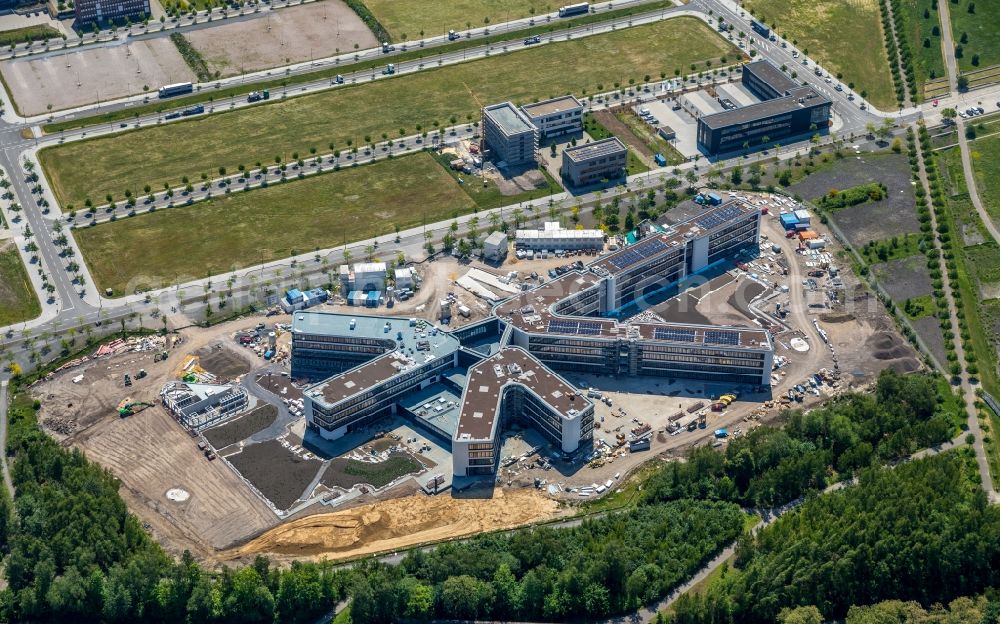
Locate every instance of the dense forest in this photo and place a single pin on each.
(922, 531)
(772, 466)
(73, 552)
(612, 564)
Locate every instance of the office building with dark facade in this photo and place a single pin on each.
(504, 368)
(786, 109)
(105, 11)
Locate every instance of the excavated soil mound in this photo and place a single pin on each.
(399, 523)
(905, 365)
(836, 318)
(886, 346)
(890, 348)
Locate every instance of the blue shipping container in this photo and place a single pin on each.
(788, 220)
(714, 199)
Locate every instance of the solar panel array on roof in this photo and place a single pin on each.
(674, 334)
(719, 217)
(565, 326)
(716, 336)
(638, 252)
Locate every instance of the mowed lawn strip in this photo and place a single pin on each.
(845, 37)
(244, 228)
(982, 30)
(986, 163)
(166, 153)
(38, 32)
(929, 64)
(17, 297)
(435, 17)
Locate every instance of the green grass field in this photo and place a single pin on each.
(985, 262)
(901, 246)
(277, 85)
(245, 228)
(982, 29)
(972, 305)
(487, 194)
(262, 132)
(926, 46)
(17, 297)
(39, 32)
(434, 17)
(845, 37)
(985, 154)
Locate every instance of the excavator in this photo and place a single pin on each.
(128, 407)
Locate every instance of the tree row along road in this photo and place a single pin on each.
(203, 142)
(969, 393)
(358, 66)
(89, 309)
(951, 64)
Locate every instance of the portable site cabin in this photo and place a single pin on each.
(788, 220)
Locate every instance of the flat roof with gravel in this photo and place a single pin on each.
(510, 120)
(555, 105)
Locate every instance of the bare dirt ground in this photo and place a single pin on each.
(871, 220)
(399, 523)
(149, 451)
(224, 360)
(438, 280)
(290, 35)
(151, 454)
(623, 132)
(77, 77)
(905, 278)
(929, 329)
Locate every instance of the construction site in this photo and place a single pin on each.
(206, 430)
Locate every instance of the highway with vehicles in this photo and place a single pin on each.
(348, 60)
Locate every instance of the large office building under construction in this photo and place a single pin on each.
(505, 368)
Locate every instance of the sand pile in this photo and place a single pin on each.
(399, 523)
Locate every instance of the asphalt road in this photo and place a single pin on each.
(75, 305)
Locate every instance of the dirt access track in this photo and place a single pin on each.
(291, 35)
(398, 524)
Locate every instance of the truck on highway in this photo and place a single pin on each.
(388, 47)
(194, 110)
(574, 9)
(389, 70)
(531, 40)
(179, 88)
(452, 35)
(760, 29)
